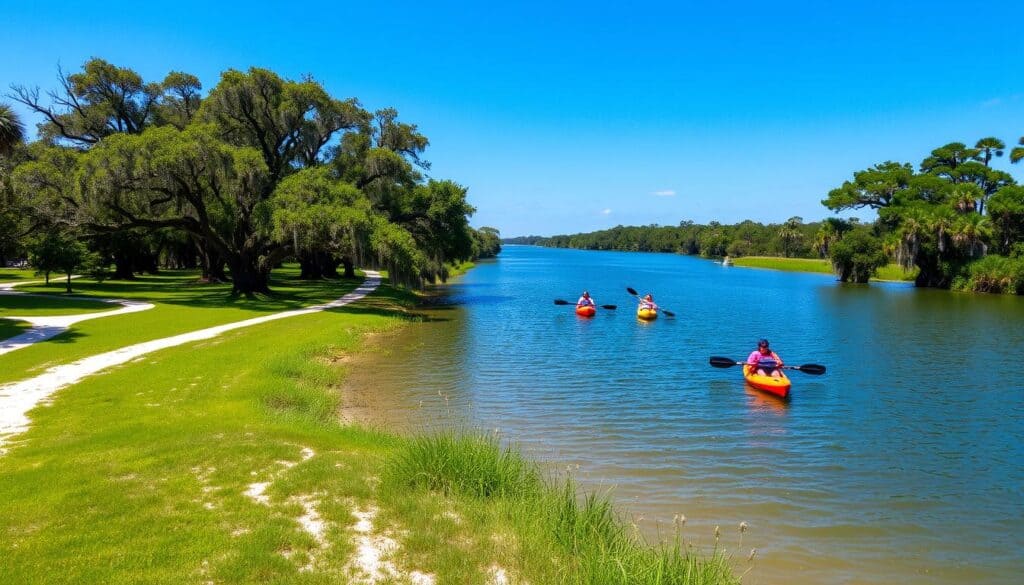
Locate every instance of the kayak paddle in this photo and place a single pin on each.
(663, 310)
(608, 307)
(724, 362)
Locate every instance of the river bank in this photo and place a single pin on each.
(223, 461)
(888, 273)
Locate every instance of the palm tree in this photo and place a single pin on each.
(970, 234)
(790, 234)
(1017, 154)
(12, 131)
(831, 231)
(965, 197)
(989, 147)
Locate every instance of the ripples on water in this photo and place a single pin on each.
(904, 462)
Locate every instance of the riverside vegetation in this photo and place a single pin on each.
(242, 473)
(953, 222)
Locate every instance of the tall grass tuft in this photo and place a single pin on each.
(472, 464)
(571, 539)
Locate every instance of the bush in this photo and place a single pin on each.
(994, 274)
(857, 256)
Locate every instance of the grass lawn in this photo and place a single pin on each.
(888, 272)
(10, 328)
(19, 274)
(182, 305)
(35, 306)
(140, 474)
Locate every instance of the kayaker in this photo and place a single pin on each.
(648, 303)
(765, 360)
(585, 300)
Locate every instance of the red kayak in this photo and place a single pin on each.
(586, 310)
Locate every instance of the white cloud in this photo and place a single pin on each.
(606, 211)
(665, 193)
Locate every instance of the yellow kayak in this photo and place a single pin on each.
(777, 386)
(647, 314)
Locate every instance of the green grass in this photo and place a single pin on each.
(10, 328)
(139, 474)
(182, 305)
(19, 274)
(787, 264)
(34, 306)
(545, 531)
(889, 272)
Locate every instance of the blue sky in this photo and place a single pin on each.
(576, 116)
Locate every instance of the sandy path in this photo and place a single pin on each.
(44, 328)
(17, 398)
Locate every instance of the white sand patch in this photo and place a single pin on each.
(371, 549)
(312, 523)
(17, 398)
(497, 575)
(256, 492)
(419, 578)
(310, 520)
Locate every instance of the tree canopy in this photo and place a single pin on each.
(261, 169)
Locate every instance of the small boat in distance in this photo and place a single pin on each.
(727, 261)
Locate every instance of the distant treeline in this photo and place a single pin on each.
(794, 238)
(523, 240)
(953, 218)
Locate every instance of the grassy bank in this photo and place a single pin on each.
(182, 304)
(888, 272)
(223, 462)
(22, 274)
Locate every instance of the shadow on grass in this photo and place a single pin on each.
(183, 287)
(13, 303)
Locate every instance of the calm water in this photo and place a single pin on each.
(903, 463)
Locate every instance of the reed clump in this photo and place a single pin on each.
(566, 536)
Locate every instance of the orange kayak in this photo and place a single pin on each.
(777, 386)
(586, 311)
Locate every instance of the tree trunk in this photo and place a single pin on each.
(122, 267)
(350, 269)
(317, 265)
(247, 279)
(69, 282)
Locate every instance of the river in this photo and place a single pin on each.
(903, 463)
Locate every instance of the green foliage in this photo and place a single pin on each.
(711, 240)
(994, 274)
(12, 130)
(857, 256)
(261, 169)
(60, 252)
(486, 243)
(468, 464)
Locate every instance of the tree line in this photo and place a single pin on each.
(955, 219)
(141, 175)
(793, 238)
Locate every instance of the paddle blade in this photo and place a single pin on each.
(632, 292)
(610, 307)
(813, 369)
(561, 302)
(723, 362)
(668, 313)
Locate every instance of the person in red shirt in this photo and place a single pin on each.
(765, 360)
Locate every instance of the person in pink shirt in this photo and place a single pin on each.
(648, 303)
(765, 360)
(585, 300)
